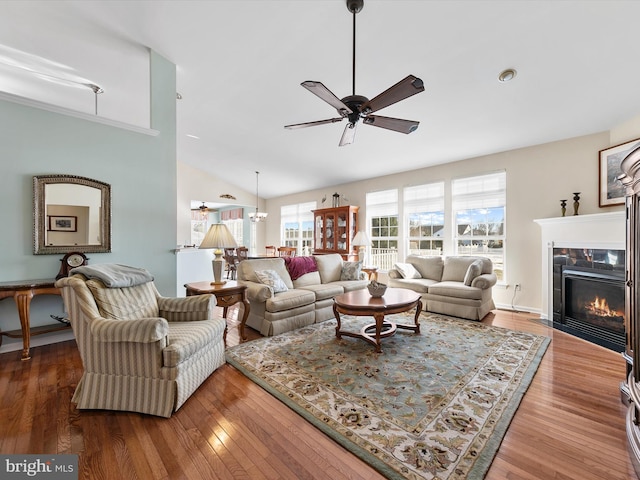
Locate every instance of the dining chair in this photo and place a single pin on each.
(231, 261)
(287, 251)
(271, 250)
(242, 253)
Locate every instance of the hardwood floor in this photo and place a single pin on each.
(570, 424)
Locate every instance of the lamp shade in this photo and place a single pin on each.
(218, 237)
(361, 239)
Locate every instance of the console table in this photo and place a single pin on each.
(22, 293)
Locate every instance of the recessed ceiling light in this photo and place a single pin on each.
(193, 136)
(507, 75)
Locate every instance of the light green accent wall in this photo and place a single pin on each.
(141, 170)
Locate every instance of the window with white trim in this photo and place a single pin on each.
(424, 218)
(234, 220)
(382, 221)
(296, 226)
(479, 209)
(198, 226)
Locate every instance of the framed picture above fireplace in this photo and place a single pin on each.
(612, 191)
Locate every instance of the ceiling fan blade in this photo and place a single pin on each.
(395, 124)
(313, 124)
(317, 88)
(348, 135)
(403, 89)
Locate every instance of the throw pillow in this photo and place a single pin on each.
(351, 271)
(407, 270)
(474, 270)
(272, 279)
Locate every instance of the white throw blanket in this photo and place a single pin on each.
(114, 275)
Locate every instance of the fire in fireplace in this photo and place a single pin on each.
(590, 299)
(598, 311)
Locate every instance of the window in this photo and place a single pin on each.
(296, 225)
(382, 219)
(234, 220)
(479, 207)
(198, 227)
(236, 227)
(424, 214)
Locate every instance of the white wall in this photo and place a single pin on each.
(537, 179)
(194, 184)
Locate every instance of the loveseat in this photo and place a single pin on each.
(284, 297)
(458, 285)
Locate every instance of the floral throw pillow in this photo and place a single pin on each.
(272, 279)
(351, 270)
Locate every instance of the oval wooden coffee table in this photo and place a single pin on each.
(360, 303)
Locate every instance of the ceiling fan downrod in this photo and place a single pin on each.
(355, 107)
(354, 6)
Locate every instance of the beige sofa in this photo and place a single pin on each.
(449, 285)
(307, 299)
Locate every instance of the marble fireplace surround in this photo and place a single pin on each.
(597, 231)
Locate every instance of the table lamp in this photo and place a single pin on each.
(218, 237)
(361, 240)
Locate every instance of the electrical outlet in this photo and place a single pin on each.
(518, 287)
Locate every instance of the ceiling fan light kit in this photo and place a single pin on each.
(354, 107)
(204, 211)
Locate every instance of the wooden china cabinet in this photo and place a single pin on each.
(630, 178)
(334, 229)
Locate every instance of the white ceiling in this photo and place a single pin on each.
(240, 64)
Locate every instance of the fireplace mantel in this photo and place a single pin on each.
(599, 230)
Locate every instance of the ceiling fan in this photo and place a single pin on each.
(204, 210)
(355, 107)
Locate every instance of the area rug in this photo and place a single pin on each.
(433, 405)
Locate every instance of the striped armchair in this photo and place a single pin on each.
(141, 352)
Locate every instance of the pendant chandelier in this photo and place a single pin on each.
(257, 216)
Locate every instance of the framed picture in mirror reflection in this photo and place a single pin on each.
(57, 223)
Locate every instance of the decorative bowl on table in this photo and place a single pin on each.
(376, 289)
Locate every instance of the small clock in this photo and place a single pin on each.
(69, 261)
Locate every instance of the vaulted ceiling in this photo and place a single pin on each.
(240, 64)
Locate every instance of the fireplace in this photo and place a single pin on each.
(606, 246)
(589, 295)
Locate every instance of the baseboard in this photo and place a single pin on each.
(518, 309)
(14, 345)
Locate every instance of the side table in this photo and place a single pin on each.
(227, 294)
(372, 272)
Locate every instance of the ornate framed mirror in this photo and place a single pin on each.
(71, 213)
